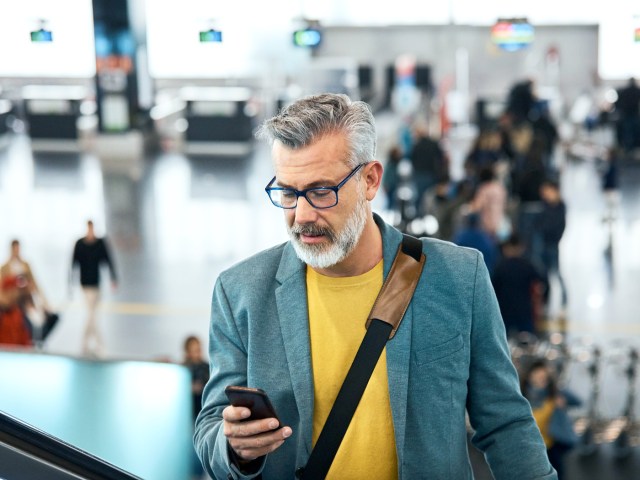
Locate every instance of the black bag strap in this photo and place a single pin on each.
(384, 319)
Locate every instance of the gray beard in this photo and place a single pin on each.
(341, 244)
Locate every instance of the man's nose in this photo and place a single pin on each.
(305, 213)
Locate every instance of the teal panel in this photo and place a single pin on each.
(135, 415)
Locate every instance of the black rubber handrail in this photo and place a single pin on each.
(41, 445)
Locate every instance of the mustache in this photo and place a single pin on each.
(312, 229)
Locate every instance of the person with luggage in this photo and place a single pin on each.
(39, 317)
(289, 321)
(14, 330)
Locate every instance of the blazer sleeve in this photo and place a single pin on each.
(501, 417)
(228, 366)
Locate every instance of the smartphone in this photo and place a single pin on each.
(254, 399)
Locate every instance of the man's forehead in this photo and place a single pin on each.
(318, 164)
(331, 149)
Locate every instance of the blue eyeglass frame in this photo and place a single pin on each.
(303, 193)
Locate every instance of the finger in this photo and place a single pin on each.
(249, 428)
(258, 445)
(235, 414)
(253, 453)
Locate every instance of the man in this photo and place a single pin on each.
(289, 320)
(628, 109)
(429, 164)
(517, 282)
(89, 253)
(521, 100)
(551, 225)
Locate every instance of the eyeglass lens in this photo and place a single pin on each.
(317, 197)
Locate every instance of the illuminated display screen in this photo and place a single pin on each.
(309, 37)
(48, 39)
(211, 36)
(619, 45)
(41, 36)
(512, 36)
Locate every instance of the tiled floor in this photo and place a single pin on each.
(175, 222)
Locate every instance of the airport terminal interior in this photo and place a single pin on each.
(141, 118)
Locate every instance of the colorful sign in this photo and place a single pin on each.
(512, 35)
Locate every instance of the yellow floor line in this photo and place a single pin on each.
(142, 309)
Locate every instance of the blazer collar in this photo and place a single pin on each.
(291, 299)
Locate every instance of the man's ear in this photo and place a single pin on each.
(373, 176)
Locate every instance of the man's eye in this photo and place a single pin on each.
(320, 193)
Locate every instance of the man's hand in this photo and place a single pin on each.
(251, 439)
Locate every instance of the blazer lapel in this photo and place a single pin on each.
(398, 362)
(291, 298)
(398, 348)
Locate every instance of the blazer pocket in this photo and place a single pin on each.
(436, 352)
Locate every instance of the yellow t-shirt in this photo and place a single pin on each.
(338, 309)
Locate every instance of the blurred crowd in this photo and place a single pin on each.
(508, 205)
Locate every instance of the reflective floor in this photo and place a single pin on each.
(174, 222)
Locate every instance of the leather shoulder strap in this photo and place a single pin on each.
(397, 291)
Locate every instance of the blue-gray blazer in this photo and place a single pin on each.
(449, 356)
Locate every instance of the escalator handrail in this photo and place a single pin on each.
(33, 441)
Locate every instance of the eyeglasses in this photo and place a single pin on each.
(318, 197)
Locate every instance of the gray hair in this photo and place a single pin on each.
(310, 118)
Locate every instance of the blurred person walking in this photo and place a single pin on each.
(429, 164)
(515, 281)
(521, 100)
(628, 109)
(446, 205)
(527, 183)
(472, 235)
(490, 201)
(551, 224)
(89, 253)
(544, 127)
(486, 151)
(391, 177)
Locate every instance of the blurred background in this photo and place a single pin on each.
(511, 127)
